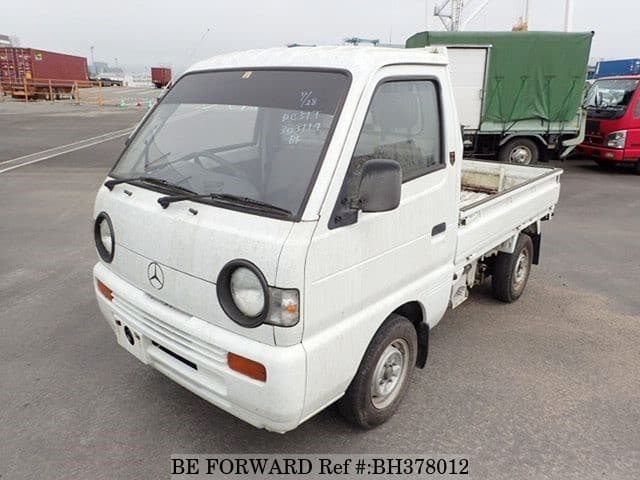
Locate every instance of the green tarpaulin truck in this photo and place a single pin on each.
(520, 95)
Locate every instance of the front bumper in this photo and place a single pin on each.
(193, 353)
(603, 153)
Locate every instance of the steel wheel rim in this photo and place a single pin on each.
(522, 270)
(389, 374)
(521, 155)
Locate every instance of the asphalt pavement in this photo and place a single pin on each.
(547, 387)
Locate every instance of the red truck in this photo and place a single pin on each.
(160, 76)
(40, 70)
(613, 122)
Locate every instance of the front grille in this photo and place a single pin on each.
(594, 140)
(593, 127)
(165, 334)
(176, 356)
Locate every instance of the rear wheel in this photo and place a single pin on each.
(384, 374)
(637, 169)
(511, 271)
(519, 151)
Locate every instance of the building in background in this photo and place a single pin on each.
(98, 67)
(102, 69)
(6, 41)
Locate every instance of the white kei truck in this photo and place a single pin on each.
(285, 227)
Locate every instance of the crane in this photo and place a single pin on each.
(450, 20)
(449, 12)
(451, 17)
(523, 22)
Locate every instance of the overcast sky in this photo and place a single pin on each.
(143, 33)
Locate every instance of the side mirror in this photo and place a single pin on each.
(380, 186)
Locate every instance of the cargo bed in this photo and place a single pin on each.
(497, 200)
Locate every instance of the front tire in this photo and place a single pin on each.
(520, 151)
(511, 271)
(384, 374)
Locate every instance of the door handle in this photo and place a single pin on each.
(438, 229)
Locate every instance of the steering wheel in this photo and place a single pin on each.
(196, 156)
(217, 158)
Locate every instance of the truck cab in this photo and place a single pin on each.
(286, 226)
(613, 125)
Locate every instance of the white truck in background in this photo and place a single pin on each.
(286, 226)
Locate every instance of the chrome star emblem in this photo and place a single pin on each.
(155, 275)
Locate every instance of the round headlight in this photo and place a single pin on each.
(243, 293)
(247, 292)
(103, 235)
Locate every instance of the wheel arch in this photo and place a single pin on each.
(531, 136)
(414, 311)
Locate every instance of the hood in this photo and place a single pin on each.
(191, 248)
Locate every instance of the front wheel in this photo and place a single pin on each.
(383, 376)
(520, 151)
(511, 271)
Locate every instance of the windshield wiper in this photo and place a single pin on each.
(224, 197)
(145, 179)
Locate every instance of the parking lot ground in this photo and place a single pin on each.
(30, 128)
(548, 387)
(117, 95)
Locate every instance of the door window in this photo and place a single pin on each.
(402, 124)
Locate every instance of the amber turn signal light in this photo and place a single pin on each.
(104, 290)
(247, 367)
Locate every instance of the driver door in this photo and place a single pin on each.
(362, 266)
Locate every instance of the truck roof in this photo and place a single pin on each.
(359, 60)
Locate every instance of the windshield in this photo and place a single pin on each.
(611, 97)
(254, 134)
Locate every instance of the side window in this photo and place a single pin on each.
(636, 113)
(402, 124)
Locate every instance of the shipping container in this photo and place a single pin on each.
(17, 63)
(39, 68)
(160, 76)
(617, 68)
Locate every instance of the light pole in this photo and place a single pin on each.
(428, 11)
(568, 16)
